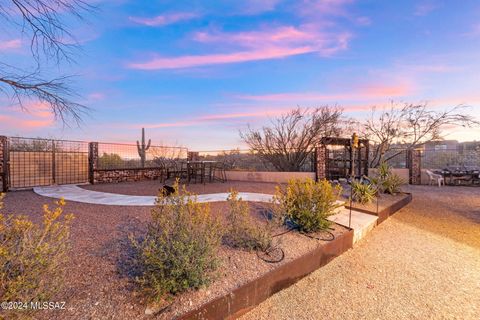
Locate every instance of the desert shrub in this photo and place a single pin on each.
(392, 184)
(242, 230)
(33, 256)
(387, 181)
(384, 171)
(307, 204)
(179, 250)
(363, 192)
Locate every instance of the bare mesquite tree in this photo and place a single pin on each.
(410, 125)
(44, 24)
(289, 140)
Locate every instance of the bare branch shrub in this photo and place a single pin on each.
(291, 138)
(410, 125)
(44, 23)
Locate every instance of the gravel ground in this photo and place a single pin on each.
(98, 285)
(422, 263)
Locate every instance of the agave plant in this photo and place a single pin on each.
(363, 192)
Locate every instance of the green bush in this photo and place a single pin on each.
(242, 230)
(33, 256)
(384, 171)
(179, 250)
(392, 184)
(363, 192)
(387, 181)
(307, 203)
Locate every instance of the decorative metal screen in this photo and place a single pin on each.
(40, 162)
(248, 160)
(451, 158)
(117, 156)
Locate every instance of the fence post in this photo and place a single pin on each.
(92, 160)
(414, 161)
(193, 155)
(54, 169)
(4, 163)
(321, 162)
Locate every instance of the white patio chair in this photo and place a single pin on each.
(435, 178)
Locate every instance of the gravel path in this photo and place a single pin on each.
(422, 263)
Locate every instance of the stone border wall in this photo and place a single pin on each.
(126, 175)
(117, 175)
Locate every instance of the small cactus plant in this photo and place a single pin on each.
(142, 148)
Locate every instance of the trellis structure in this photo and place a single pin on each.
(337, 159)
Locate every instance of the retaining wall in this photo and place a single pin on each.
(126, 175)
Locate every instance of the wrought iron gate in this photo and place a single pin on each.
(40, 162)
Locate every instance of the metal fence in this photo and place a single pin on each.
(450, 158)
(36, 162)
(395, 158)
(114, 156)
(248, 160)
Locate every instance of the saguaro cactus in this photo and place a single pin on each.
(142, 148)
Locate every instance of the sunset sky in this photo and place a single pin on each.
(195, 72)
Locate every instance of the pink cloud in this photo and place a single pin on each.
(163, 20)
(256, 7)
(282, 35)
(385, 91)
(363, 21)
(223, 118)
(363, 93)
(433, 68)
(95, 96)
(324, 7)
(474, 32)
(312, 35)
(215, 59)
(425, 8)
(266, 112)
(274, 43)
(167, 124)
(10, 44)
(34, 115)
(260, 112)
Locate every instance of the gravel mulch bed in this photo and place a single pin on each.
(98, 285)
(384, 201)
(421, 263)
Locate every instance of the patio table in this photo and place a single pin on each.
(195, 167)
(453, 176)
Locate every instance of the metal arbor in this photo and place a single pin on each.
(341, 159)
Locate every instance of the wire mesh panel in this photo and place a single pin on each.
(395, 157)
(30, 162)
(248, 160)
(116, 156)
(338, 162)
(40, 162)
(451, 158)
(71, 161)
